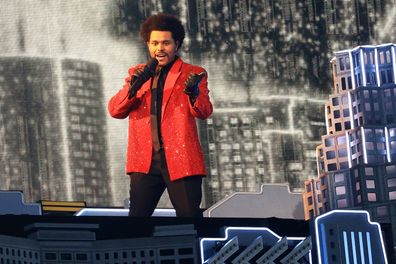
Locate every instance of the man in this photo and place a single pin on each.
(162, 104)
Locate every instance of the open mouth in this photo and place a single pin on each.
(160, 56)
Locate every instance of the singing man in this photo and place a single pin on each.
(162, 100)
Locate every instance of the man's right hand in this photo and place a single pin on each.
(138, 78)
(141, 75)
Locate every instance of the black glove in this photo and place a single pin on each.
(141, 75)
(192, 83)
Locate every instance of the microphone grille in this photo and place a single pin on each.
(152, 64)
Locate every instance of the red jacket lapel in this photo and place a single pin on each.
(173, 74)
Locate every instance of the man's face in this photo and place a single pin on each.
(162, 46)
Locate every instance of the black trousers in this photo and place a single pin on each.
(146, 190)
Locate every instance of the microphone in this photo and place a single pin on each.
(140, 76)
(151, 65)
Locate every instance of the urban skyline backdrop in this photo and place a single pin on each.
(269, 77)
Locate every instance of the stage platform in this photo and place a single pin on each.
(118, 227)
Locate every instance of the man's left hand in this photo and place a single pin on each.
(192, 83)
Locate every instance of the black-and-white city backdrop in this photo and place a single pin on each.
(269, 77)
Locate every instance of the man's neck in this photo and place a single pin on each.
(167, 66)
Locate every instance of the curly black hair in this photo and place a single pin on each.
(163, 22)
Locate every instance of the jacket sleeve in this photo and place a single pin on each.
(119, 105)
(202, 107)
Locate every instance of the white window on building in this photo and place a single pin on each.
(237, 158)
(372, 197)
(234, 120)
(392, 195)
(340, 190)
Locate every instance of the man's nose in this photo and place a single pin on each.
(160, 46)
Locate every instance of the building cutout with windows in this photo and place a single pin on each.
(344, 236)
(356, 161)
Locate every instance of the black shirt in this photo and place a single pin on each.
(157, 91)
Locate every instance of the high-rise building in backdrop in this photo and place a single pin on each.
(248, 146)
(53, 129)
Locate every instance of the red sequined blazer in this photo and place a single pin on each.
(183, 151)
